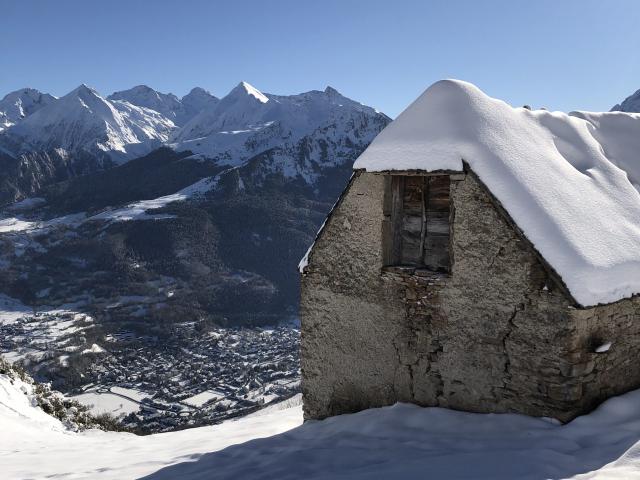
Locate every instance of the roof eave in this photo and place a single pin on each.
(416, 172)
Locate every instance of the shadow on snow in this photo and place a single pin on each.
(406, 441)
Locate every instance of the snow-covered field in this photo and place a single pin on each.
(203, 397)
(115, 401)
(402, 442)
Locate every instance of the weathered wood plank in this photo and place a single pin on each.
(386, 201)
(423, 223)
(437, 253)
(397, 195)
(412, 222)
(416, 173)
(437, 223)
(436, 249)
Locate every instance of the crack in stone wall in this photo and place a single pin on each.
(505, 347)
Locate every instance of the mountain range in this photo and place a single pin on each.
(45, 140)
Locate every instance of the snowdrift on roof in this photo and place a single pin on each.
(569, 181)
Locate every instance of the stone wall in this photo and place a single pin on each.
(497, 334)
(600, 375)
(350, 316)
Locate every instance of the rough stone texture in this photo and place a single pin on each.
(497, 334)
(350, 315)
(602, 375)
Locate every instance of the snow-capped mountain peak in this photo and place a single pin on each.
(142, 93)
(17, 105)
(198, 94)
(142, 90)
(83, 87)
(197, 100)
(630, 104)
(165, 103)
(83, 97)
(331, 91)
(242, 109)
(244, 88)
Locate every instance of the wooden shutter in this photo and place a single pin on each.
(416, 225)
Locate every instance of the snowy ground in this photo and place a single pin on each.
(28, 335)
(401, 442)
(34, 445)
(114, 400)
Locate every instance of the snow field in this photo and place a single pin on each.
(402, 441)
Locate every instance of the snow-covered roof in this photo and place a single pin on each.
(570, 181)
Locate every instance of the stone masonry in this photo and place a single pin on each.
(498, 333)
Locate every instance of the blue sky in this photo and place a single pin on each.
(562, 54)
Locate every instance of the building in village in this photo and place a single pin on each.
(482, 258)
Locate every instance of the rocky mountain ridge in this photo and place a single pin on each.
(631, 104)
(83, 132)
(178, 110)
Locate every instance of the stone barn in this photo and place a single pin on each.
(482, 258)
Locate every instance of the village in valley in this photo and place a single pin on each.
(197, 377)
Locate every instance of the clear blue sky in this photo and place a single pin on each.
(562, 54)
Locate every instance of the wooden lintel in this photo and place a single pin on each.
(420, 173)
(456, 175)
